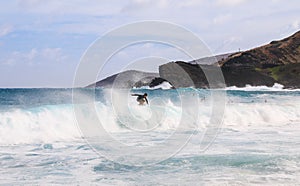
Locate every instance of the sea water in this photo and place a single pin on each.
(257, 142)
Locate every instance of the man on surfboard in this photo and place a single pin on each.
(141, 98)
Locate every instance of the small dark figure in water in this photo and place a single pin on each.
(141, 98)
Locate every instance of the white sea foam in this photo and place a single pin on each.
(57, 122)
(164, 86)
(45, 124)
(275, 87)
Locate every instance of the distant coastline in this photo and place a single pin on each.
(276, 62)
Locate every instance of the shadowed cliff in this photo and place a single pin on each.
(277, 62)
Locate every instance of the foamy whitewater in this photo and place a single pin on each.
(41, 142)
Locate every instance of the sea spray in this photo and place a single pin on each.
(49, 122)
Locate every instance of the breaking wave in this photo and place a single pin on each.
(56, 122)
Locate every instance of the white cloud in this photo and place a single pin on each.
(5, 29)
(81, 7)
(148, 6)
(135, 57)
(35, 56)
(222, 19)
(230, 44)
(190, 3)
(296, 25)
(229, 2)
(53, 54)
(276, 1)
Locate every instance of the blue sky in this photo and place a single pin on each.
(41, 41)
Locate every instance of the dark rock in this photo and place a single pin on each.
(277, 62)
(182, 74)
(157, 81)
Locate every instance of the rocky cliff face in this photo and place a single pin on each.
(277, 62)
(181, 74)
(282, 52)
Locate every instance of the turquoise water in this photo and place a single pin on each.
(42, 143)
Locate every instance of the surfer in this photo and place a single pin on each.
(141, 98)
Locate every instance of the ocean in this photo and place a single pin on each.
(103, 137)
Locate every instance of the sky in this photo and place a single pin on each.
(43, 41)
